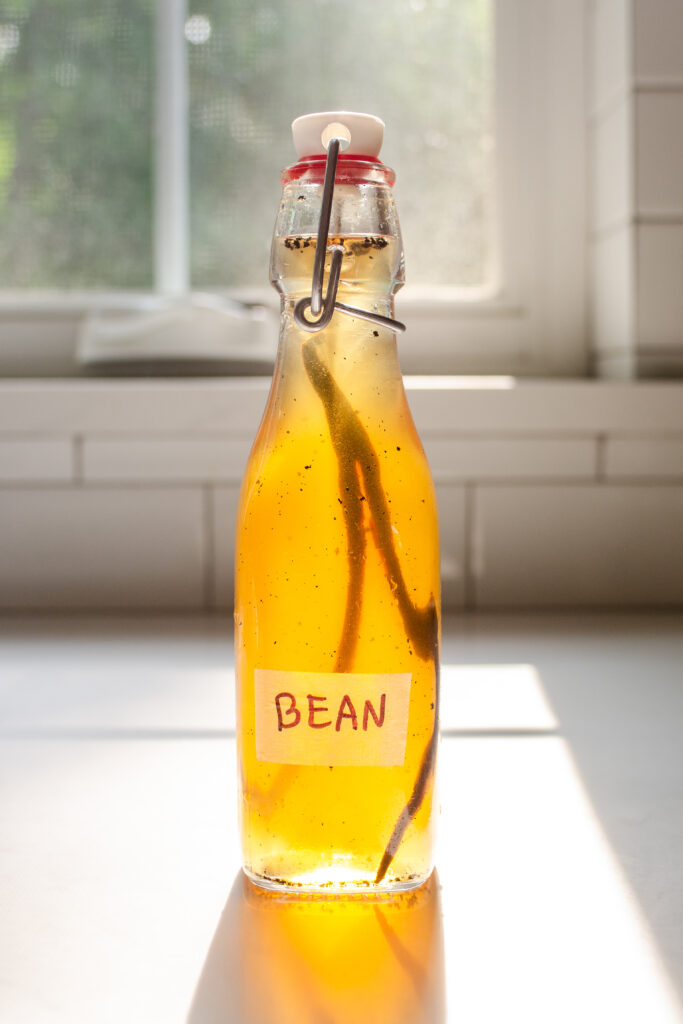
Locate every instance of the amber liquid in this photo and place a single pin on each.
(337, 570)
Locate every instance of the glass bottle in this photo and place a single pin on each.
(337, 594)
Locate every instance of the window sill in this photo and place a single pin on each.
(448, 333)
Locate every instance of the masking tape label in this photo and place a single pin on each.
(331, 718)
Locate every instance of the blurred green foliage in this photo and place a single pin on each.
(76, 111)
(77, 116)
(424, 66)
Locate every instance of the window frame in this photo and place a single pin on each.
(530, 322)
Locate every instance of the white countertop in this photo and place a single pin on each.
(560, 856)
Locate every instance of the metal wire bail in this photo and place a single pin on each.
(323, 308)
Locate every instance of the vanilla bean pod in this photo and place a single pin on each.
(355, 454)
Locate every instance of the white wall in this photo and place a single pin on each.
(635, 131)
(122, 494)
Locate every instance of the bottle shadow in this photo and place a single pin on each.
(310, 959)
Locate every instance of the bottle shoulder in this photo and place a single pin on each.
(299, 462)
(337, 408)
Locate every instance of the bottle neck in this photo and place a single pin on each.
(360, 356)
(363, 219)
(359, 361)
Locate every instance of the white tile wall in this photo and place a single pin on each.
(637, 89)
(495, 406)
(101, 548)
(658, 31)
(134, 407)
(121, 521)
(643, 458)
(36, 459)
(223, 519)
(580, 545)
(453, 512)
(660, 285)
(548, 407)
(659, 152)
(174, 458)
(504, 458)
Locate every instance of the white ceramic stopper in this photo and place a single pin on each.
(361, 134)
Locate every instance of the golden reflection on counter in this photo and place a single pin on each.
(312, 959)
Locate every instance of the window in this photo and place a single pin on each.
(76, 126)
(140, 149)
(254, 67)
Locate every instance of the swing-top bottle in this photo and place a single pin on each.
(337, 599)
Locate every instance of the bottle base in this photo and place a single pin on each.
(330, 882)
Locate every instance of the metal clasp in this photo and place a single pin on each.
(320, 307)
